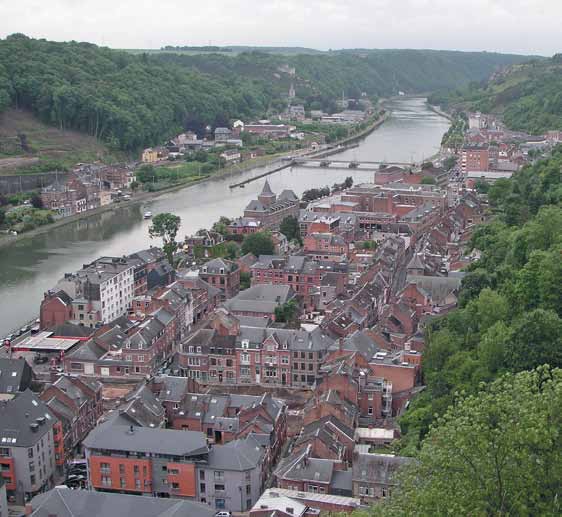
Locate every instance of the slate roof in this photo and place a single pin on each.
(215, 265)
(262, 298)
(238, 455)
(377, 468)
(301, 467)
(146, 439)
(266, 190)
(437, 287)
(173, 388)
(301, 340)
(17, 416)
(64, 502)
(15, 375)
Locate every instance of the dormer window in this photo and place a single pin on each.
(245, 344)
(221, 271)
(204, 270)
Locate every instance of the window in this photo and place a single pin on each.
(202, 488)
(30, 452)
(138, 485)
(32, 479)
(136, 469)
(173, 472)
(370, 396)
(106, 481)
(202, 475)
(219, 503)
(121, 469)
(219, 488)
(248, 490)
(370, 410)
(122, 482)
(285, 359)
(219, 475)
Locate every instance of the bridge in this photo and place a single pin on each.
(354, 164)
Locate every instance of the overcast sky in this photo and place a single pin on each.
(518, 26)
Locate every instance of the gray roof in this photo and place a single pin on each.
(377, 468)
(266, 191)
(173, 388)
(15, 375)
(146, 439)
(262, 298)
(214, 266)
(301, 340)
(436, 287)
(19, 418)
(301, 467)
(342, 480)
(288, 195)
(238, 455)
(64, 502)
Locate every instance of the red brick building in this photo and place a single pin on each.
(222, 274)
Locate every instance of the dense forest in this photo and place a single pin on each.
(135, 100)
(487, 427)
(320, 79)
(529, 96)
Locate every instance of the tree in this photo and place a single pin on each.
(493, 453)
(427, 165)
(289, 227)
(259, 243)
(134, 186)
(286, 313)
(348, 183)
(428, 180)
(2, 216)
(36, 201)
(245, 279)
(166, 226)
(146, 174)
(535, 339)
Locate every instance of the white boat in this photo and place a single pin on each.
(147, 215)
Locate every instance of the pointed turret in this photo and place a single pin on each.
(267, 197)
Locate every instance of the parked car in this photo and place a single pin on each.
(223, 513)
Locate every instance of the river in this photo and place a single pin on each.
(31, 266)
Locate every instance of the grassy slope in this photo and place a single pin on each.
(50, 148)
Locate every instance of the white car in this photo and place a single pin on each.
(223, 513)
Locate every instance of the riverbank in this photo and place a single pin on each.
(263, 161)
(439, 111)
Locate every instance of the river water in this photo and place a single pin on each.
(31, 266)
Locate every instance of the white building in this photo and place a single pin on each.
(101, 291)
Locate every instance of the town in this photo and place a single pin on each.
(185, 159)
(260, 367)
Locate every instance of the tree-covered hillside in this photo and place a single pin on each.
(132, 100)
(510, 317)
(486, 431)
(322, 78)
(529, 96)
